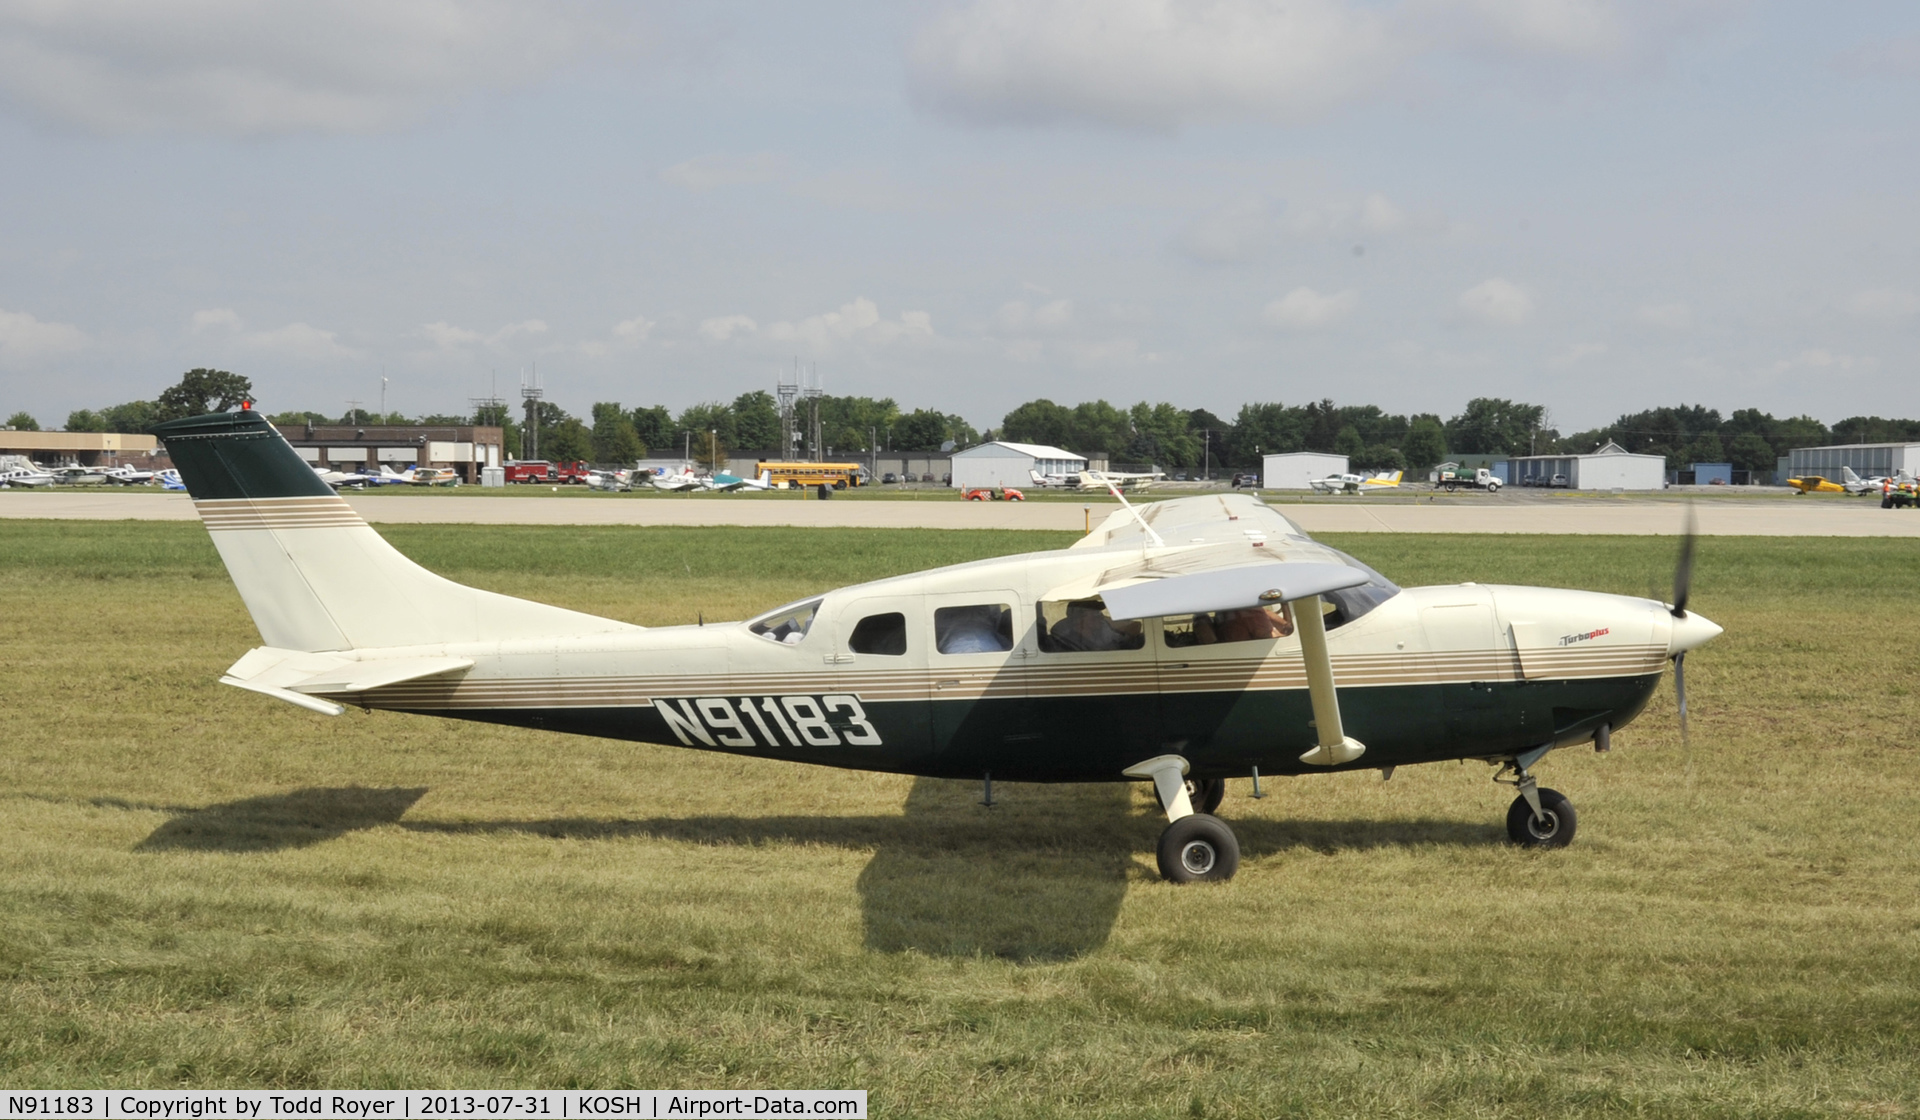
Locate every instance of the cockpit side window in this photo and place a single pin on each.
(1250, 624)
(883, 634)
(975, 628)
(787, 624)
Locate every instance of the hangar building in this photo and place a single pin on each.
(1612, 467)
(344, 447)
(1868, 460)
(1296, 470)
(1001, 463)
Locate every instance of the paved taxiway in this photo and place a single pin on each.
(1778, 517)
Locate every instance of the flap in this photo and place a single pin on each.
(1226, 589)
(358, 676)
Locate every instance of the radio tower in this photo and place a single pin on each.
(530, 393)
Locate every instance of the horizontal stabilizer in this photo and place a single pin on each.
(1225, 589)
(287, 674)
(358, 676)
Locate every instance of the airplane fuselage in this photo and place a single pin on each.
(1431, 674)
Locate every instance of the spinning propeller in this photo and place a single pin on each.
(1682, 587)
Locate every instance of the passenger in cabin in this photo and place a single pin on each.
(976, 629)
(1251, 624)
(1087, 628)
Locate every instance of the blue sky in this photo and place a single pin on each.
(1590, 205)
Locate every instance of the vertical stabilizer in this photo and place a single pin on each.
(313, 574)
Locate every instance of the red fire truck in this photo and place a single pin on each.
(540, 470)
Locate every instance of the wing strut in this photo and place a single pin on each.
(1335, 748)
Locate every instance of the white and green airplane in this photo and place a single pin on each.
(1183, 644)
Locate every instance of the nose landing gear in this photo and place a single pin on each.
(1538, 818)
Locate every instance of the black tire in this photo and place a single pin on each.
(1197, 849)
(1555, 832)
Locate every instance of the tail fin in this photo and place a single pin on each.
(314, 576)
(1851, 477)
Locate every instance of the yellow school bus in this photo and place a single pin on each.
(837, 475)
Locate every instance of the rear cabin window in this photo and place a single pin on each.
(787, 624)
(1084, 626)
(884, 634)
(977, 628)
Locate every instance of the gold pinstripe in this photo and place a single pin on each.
(229, 514)
(1019, 680)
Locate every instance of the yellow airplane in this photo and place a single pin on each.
(1382, 481)
(1814, 484)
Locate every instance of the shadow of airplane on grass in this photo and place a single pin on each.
(280, 821)
(1041, 877)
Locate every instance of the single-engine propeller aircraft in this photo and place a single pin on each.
(1183, 644)
(1814, 484)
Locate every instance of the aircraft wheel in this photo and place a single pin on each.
(1204, 794)
(1199, 848)
(1554, 832)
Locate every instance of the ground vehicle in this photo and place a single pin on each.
(1558, 482)
(986, 494)
(889, 479)
(1450, 476)
(540, 470)
(837, 475)
(1248, 481)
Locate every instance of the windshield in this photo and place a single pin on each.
(1350, 603)
(786, 624)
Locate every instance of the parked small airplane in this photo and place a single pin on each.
(434, 476)
(1384, 480)
(26, 477)
(1878, 484)
(728, 483)
(1059, 481)
(1338, 484)
(1130, 481)
(676, 483)
(1197, 641)
(169, 479)
(127, 474)
(609, 480)
(1814, 484)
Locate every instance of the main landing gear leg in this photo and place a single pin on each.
(1538, 818)
(1195, 846)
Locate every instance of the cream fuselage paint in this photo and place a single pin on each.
(1419, 681)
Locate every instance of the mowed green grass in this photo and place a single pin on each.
(199, 886)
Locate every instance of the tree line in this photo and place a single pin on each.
(1145, 433)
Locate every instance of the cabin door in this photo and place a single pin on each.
(877, 670)
(977, 681)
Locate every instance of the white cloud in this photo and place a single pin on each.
(1149, 63)
(720, 170)
(1237, 231)
(1021, 318)
(1577, 353)
(635, 329)
(1823, 360)
(1666, 316)
(449, 337)
(234, 67)
(1576, 28)
(724, 327)
(23, 336)
(213, 317)
(299, 340)
(1306, 309)
(1882, 303)
(860, 319)
(1163, 63)
(1498, 302)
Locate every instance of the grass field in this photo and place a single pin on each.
(199, 886)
